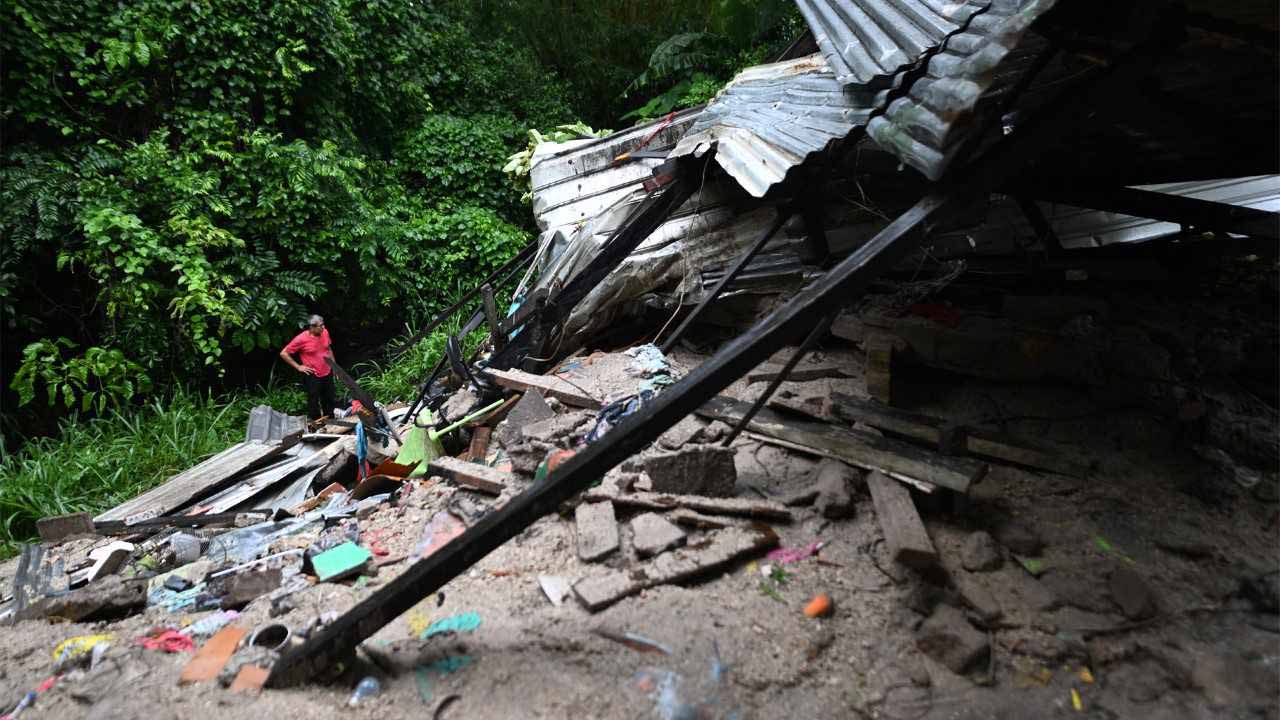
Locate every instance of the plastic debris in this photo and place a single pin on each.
(1076, 702)
(466, 622)
(167, 640)
(442, 528)
(424, 675)
(1034, 566)
(639, 643)
(1086, 677)
(340, 562)
(613, 413)
(795, 554)
(209, 625)
(819, 606)
(30, 698)
(365, 689)
(675, 698)
(78, 646)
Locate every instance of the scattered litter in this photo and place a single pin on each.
(466, 622)
(167, 640)
(212, 656)
(442, 528)
(209, 625)
(367, 687)
(633, 641)
(78, 646)
(1086, 676)
(341, 562)
(1035, 566)
(787, 556)
(1105, 546)
(272, 637)
(819, 606)
(1075, 701)
(424, 675)
(30, 698)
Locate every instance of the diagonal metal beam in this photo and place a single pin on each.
(826, 295)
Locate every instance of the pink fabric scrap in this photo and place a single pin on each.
(794, 554)
(168, 640)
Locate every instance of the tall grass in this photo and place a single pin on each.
(95, 464)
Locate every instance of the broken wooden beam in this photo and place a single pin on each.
(936, 432)
(856, 448)
(479, 446)
(801, 373)
(904, 532)
(879, 368)
(55, 529)
(469, 474)
(720, 549)
(548, 385)
(739, 507)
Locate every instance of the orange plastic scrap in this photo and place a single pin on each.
(212, 656)
(249, 679)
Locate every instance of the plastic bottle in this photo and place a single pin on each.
(366, 688)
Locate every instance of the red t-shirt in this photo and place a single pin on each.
(313, 349)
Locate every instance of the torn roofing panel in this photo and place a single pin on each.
(927, 126)
(577, 180)
(770, 118)
(866, 42)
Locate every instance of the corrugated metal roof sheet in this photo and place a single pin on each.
(928, 125)
(770, 118)
(868, 41)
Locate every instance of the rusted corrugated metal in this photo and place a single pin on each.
(770, 118)
(867, 42)
(931, 122)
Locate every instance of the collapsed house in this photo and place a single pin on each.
(997, 191)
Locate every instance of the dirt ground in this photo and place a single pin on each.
(740, 646)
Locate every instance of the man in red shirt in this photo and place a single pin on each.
(313, 347)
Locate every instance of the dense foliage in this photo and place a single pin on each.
(182, 181)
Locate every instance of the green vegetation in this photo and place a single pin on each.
(180, 185)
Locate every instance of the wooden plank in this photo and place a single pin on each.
(856, 448)
(54, 529)
(741, 507)
(212, 656)
(472, 475)
(904, 532)
(479, 443)
(975, 441)
(879, 367)
(204, 479)
(551, 385)
(801, 373)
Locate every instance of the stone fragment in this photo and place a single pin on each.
(833, 480)
(597, 530)
(976, 595)
(242, 588)
(1020, 538)
(555, 588)
(1132, 594)
(109, 598)
(558, 431)
(653, 534)
(980, 553)
(948, 638)
(1078, 590)
(715, 432)
(530, 409)
(55, 529)
(687, 431)
(696, 470)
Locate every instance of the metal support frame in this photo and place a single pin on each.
(742, 261)
(1201, 214)
(814, 336)
(1040, 224)
(851, 276)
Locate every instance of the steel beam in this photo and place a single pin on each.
(1191, 212)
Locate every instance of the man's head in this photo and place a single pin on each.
(315, 324)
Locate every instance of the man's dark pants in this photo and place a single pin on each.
(320, 400)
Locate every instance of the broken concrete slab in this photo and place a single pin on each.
(597, 530)
(111, 597)
(980, 553)
(720, 549)
(242, 588)
(559, 431)
(687, 431)
(530, 409)
(740, 507)
(978, 596)
(706, 470)
(471, 475)
(108, 559)
(698, 521)
(556, 588)
(833, 481)
(55, 529)
(652, 534)
(1020, 537)
(948, 638)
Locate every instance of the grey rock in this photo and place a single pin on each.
(1020, 537)
(948, 638)
(687, 431)
(1078, 590)
(980, 553)
(653, 534)
(560, 430)
(976, 595)
(597, 530)
(1131, 593)
(531, 408)
(696, 470)
(715, 432)
(833, 480)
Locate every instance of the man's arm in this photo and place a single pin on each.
(284, 355)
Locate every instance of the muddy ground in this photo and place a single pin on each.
(740, 646)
